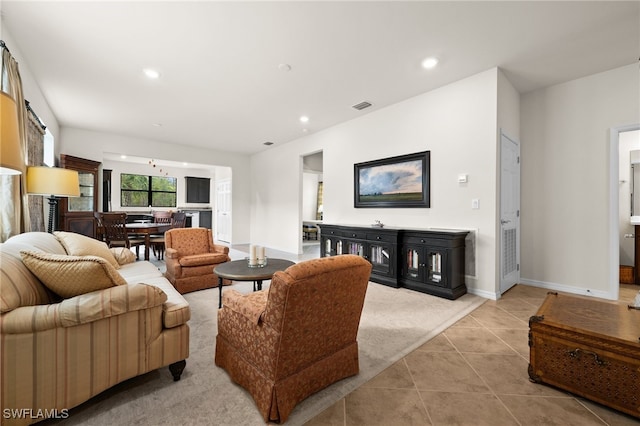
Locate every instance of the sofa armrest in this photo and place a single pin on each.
(82, 309)
(250, 306)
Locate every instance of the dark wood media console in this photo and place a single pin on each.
(426, 260)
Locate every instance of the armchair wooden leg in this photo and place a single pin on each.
(176, 369)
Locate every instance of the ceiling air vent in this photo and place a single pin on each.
(361, 105)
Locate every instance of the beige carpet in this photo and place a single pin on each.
(394, 322)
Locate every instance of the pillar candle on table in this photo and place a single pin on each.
(260, 251)
(253, 258)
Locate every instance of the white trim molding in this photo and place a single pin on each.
(568, 289)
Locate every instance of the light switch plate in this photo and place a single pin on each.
(475, 204)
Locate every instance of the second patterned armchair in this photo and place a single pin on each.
(191, 256)
(296, 338)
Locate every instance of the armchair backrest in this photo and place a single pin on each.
(189, 241)
(316, 307)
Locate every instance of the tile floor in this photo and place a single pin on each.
(474, 373)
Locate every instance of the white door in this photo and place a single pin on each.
(223, 210)
(509, 213)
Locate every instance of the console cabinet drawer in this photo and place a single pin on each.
(382, 237)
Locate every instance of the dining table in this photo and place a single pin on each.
(147, 229)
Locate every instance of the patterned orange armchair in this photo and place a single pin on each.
(191, 256)
(298, 336)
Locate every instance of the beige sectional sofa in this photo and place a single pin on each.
(59, 351)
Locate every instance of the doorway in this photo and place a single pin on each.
(509, 213)
(614, 207)
(223, 210)
(628, 202)
(312, 201)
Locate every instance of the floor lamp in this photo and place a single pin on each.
(53, 182)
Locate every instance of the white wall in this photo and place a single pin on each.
(92, 145)
(310, 195)
(32, 92)
(457, 123)
(565, 178)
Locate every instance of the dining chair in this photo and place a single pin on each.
(179, 220)
(114, 230)
(156, 241)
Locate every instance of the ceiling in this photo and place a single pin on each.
(221, 85)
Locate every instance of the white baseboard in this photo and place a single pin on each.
(483, 293)
(569, 289)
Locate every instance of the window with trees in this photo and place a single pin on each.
(144, 191)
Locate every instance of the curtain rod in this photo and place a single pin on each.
(26, 104)
(4, 45)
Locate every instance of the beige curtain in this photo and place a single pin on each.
(14, 216)
(35, 157)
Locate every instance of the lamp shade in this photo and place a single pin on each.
(53, 181)
(11, 161)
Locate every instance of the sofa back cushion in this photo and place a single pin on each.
(81, 245)
(18, 286)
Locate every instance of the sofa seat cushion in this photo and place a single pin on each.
(81, 245)
(70, 276)
(139, 271)
(203, 259)
(176, 310)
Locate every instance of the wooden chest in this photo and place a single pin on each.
(588, 347)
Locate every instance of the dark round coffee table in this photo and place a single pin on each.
(239, 270)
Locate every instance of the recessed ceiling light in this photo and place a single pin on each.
(185, 164)
(124, 157)
(304, 119)
(151, 73)
(429, 63)
(284, 67)
(157, 124)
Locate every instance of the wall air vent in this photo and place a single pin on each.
(362, 105)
